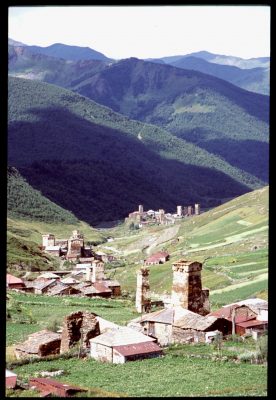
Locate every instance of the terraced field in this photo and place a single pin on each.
(230, 240)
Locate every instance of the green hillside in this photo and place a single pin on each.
(26, 203)
(29, 216)
(227, 121)
(223, 119)
(230, 240)
(83, 157)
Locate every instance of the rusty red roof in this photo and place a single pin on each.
(157, 256)
(252, 323)
(226, 312)
(138, 348)
(101, 287)
(13, 279)
(51, 382)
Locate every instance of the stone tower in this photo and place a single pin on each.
(179, 211)
(161, 216)
(141, 209)
(142, 291)
(190, 210)
(187, 288)
(197, 209)
(48, 240)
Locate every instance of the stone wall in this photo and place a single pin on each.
(180, 335)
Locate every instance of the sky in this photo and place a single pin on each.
(147, 31)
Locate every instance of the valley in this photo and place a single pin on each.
(137, 224)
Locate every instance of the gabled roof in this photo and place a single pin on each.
(101, 287)
(226, 312)
(120, 337)
(43, 284)
(32, 344)
(13, 279)
(58, 288)
(157, 256)
(195, 321)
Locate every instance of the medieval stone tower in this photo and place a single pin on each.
(187, 289)
(142, 291)
(197, 209)
(179, 211)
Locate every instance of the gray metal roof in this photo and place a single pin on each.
(121, 336)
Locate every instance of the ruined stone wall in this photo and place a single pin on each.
(49, 348)
(142, 291)
(78, 326)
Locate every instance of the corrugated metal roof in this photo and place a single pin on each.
(121, 336)
(139, 348)
(53, 383)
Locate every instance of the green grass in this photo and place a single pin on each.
(46, 309)
(170, 376)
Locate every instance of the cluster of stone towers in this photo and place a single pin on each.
(187, 289)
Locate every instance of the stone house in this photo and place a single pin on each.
(61, 289)
(179, 325)
(44, 285)
(157, 258)
(123, 344)
(39, 344)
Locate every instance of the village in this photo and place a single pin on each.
(184, 318)
(160, 217)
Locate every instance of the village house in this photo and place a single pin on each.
(123, 344)
(61, 289)
(247, 316)
(43, 286)
(179, 325)
(39, 344)
(158, 258)
(12, 282)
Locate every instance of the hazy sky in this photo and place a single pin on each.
(147, 31)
